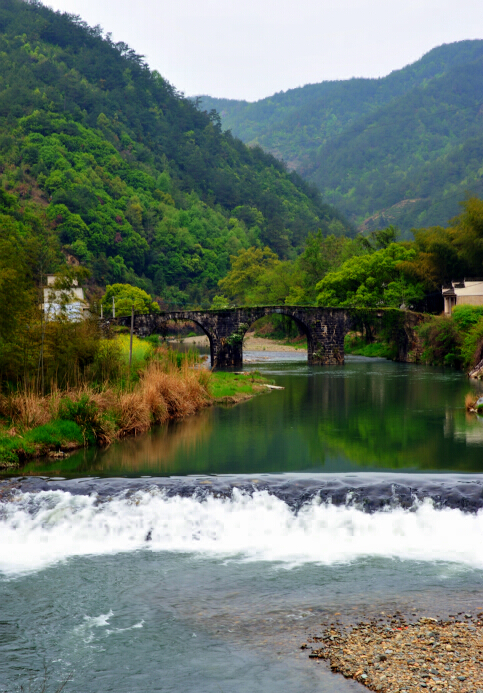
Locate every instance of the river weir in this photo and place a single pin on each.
(211, 575)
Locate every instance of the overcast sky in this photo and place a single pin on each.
(249, 49)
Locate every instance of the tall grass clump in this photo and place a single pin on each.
(25, 408)
(165, 386)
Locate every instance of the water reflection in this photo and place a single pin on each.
(366, 415)
(153, 453)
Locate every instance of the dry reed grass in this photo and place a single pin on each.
(164, 391)
(25, 409)
(134, 414)
(175, 393)
(470, 401)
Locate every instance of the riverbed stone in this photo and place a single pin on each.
(353, 653)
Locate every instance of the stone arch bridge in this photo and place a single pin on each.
(325, 329)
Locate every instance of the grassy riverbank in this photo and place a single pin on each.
(162, 385)
(231, 388)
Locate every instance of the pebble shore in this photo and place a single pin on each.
(429, 655)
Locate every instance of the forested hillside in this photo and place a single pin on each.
(402, 149)
(103, 158)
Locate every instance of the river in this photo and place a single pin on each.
(201, 556)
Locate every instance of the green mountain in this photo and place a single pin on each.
(402, 149)
(126, 175)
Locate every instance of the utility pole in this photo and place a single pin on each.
(40, 369)
(113, 308)
(101, 312)
(132, 330)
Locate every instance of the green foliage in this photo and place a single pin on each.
(127, 297)
(358, 346)
(472, 347)
(247, 267)
(184, 358)
(231, 385)
(142, 351)
(237, 336)
(443, 255)
(402, 149)
(276, 326)
(442, 342)
(455, 341)
(16, 294)
(370, 281)
(320, 255)
(83, 412)
(58, 353)
(108, 361)
(465, 316)
(220, 302)
(56, 433)
(376, 240)
(258, 277)
(52, 435)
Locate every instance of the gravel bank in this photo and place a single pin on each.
(429, 655)
(250, 343)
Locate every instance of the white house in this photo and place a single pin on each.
(468, 292)
(70, 301)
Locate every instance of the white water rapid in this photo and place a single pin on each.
(40, 529)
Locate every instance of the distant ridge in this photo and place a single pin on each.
(401, 149)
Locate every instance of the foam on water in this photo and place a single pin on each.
(40, 529)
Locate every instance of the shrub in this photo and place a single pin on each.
(441, 342)
(108, 361)
(142, 351)
(472, 348)
(153, 339)
(84, 412)
(467, 316)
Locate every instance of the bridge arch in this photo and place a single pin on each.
(268, 311)
(156, 326)
(275, 310)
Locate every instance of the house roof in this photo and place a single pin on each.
(467, 287)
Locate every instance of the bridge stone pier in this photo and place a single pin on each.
(325, 329)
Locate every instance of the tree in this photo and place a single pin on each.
(246, 268)
(16, 291)
(273, 285)
(377, 240)
(220, 302)
(126, 296)
(446, 254)
(321, 255)
(370, 281)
